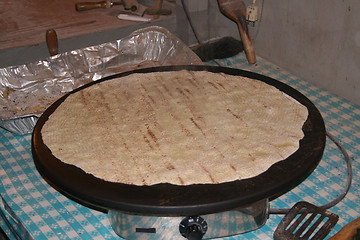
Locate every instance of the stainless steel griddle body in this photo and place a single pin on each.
(130, 206)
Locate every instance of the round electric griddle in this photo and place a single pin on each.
(168, 199)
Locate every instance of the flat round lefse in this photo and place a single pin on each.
(178, 127)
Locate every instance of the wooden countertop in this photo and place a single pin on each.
(24, 22)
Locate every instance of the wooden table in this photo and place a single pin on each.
(24, 22)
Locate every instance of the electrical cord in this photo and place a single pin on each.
(331, 137)
(260, 21)
(190, 22)
(341, 195)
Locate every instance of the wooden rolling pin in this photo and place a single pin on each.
(85, 6)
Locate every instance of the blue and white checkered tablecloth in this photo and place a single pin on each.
(32, 209)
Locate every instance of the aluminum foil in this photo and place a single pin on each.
(27, 90)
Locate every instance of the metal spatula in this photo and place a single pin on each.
(305, 221)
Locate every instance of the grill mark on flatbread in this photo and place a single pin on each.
(136, 165)
(219, 152)
(161, 94)
(83, 98)
(144, 99)
(148, 142)
(112, 118)
(197, 126)
(107, 107)
(235, 115)
(208, 173)
(182, 93)
(152, 99)
(193, 82)
(222, 86)
(181, 180)
(102, 96)
(117, 98)
(126, 93)
(160, 79)
(188, 91)
(252, 158)
(233, 167)
(213, 85)
(182, 127)
(144, 88)
(146, 94)
(152, 135)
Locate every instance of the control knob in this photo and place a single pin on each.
(193, 228)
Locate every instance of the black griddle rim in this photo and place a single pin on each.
(167, 199)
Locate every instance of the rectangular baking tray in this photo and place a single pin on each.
(27, 90)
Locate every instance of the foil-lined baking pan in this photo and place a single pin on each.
(27, 90)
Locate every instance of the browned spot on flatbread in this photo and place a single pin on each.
(169, 166)
(233, 167)
(197, 126)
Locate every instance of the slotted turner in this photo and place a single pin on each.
(305, 221)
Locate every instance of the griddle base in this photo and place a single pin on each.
(244, 219)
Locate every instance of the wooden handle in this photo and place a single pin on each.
(156, 11)
(52, 42)
(159, 4)
(85, 6)
(347, 232)
(248, 46)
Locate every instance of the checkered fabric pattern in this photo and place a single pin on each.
(32, 209)
(342, 120)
